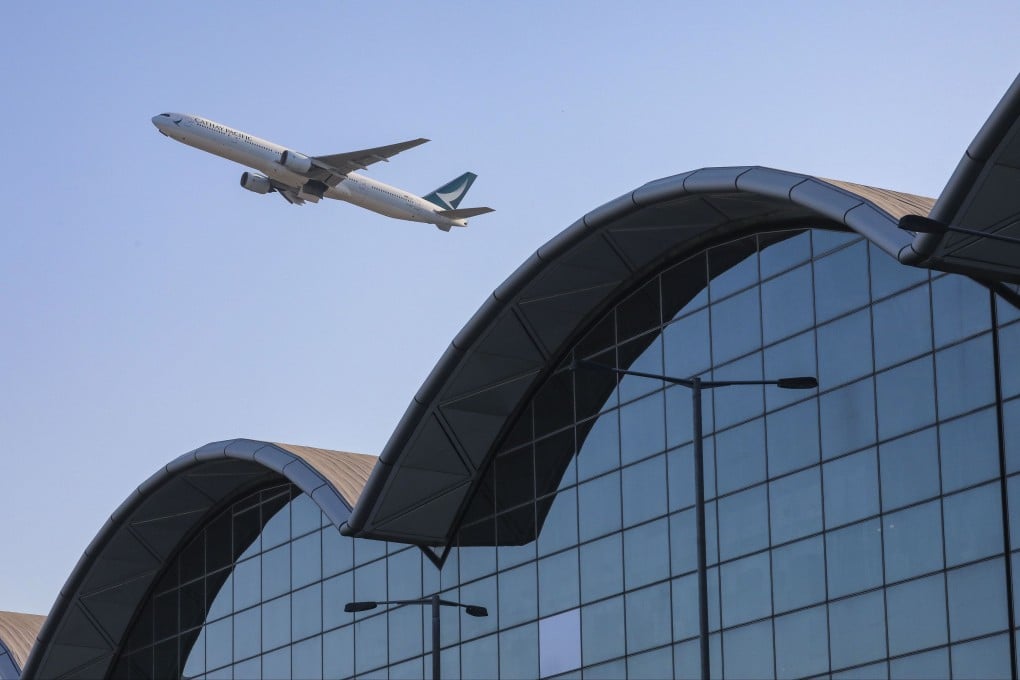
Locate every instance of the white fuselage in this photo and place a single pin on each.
(265, 157)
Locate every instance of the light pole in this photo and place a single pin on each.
(924, 225)
(696, 385)
(436, 603)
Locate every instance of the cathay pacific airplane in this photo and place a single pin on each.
(299, 178)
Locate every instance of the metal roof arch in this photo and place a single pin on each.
(95, 609)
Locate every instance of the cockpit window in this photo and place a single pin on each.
(165, 114)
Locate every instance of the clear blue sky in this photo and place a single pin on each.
(150, 305)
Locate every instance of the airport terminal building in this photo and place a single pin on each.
(868, 528)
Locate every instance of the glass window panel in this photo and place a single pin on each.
(680, 464)
(933, 665)
(889, 276)
(276, 665)
(337, 552)
(247, 525)
(481, 593)
(687, 657)
(639, 312)
(902, 327)
(607, 671)
(275, 506)
(740, 456)
(686, 346)
(515, 478)
(602, 635)
(1009, 359)
(746, 591)
(305, 515)
(248, 583)
(743, 523)
(909, 469)
(599, 506)
(913, 541)
(559, 529)
(792, 436)
(962, 308)
(276, 623)
(601, 568)
(370, 582)
(7, 669)
(857, 630)
(166, 614)
(338, 653)
(917, 614)
(247, 633)
(192, 656)
(779, 251)
(476, 561)
(558, 582)
(306, 559)
(654, 665)
(306, 613)
(798, 574)
(251, 669)
(595, 390)
(973, 524)
(404, 574)
(732, 266)
(644, 491)
(518, 600)
(685, 286)
(970, 450)
(646, 553)
(642, 428)
(795, 505)
(218, 543)
(787, 304)
(554, 402)
(555, 462)
(747, 651)
(367, 550)
(1005, 310)
(965, 377)
(412, 670)
(851, 488)
(741, 312)
(802, 645)
(276, 571)
(518, 653)
(986, 659)
(824, 240)
(643, 354)
(479, 659)
(219, 643)
(339, 589)
(848, 418)
(406, 630)
(854, 558)
(559, 643)
(648, 618)
(372, 643)
(685, 604)
(977, 600)
(906, 400)
(739, 403)
(792, 357)
(841, 281)
(844, 349)
(599, 449)
(683, 540)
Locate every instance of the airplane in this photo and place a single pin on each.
(300, 178)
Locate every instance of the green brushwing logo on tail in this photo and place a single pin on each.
(449, 196)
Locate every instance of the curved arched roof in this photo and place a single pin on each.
(441, 448)
(18, 633)
(95, 608)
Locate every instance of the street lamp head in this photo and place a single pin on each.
(922, 225)
(359, 606)
(476, 610)
(799, 383)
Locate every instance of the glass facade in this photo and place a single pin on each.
(8, 671)
(861, 530)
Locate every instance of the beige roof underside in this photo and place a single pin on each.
(347, 472)
(18, 633)
(896, 203)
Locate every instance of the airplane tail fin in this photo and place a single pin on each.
(449, 196)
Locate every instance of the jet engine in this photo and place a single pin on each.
(296, 162)
(260, 184)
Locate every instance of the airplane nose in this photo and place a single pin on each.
(157, 122)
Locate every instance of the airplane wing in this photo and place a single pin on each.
(332, 169)
(289, 193)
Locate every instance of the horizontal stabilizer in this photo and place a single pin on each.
(463, 213)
